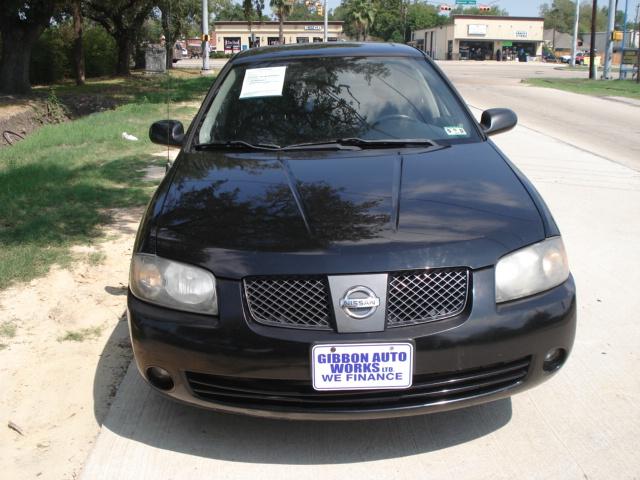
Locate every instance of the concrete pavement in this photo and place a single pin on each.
(607, 127)
(196, 63)
(581, 424)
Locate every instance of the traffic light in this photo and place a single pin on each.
(617, 36)
(484, 8)
(445, 8)
(320, 10)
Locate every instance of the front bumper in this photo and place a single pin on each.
(232, 364)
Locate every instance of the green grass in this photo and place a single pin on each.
(180, 86)
(56, 184)
(8, 329)
(96, 258)
(598, 88)
(81, 335)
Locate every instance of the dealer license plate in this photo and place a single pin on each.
(362, 366)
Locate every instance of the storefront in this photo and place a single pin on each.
(233, 36)
(483, 37)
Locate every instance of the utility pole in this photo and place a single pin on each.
(205, 36)
(623, 72)
(638, 59)
(574, 44)
(326, 21)
(608, 54)
(592, 54)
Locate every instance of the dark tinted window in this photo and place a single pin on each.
(324, 99)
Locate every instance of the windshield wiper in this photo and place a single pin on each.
(387, 142)
(236, 144)
(339, 144)
(360, 143)
(325, 145)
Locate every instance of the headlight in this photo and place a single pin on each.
(173, 284)
(531, 270)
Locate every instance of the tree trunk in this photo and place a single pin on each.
(17, 44)
(169, 48)
(281, 28)
(78, 52)
(124, 54)
(169, 41)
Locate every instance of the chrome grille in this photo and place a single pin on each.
(426, 295)
(297, 302)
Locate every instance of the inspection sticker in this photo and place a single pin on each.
(263, 82)
(455, 131)
(362, 366)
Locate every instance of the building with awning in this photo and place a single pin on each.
(480, 37)
(234, 36)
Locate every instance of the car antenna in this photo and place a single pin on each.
(168, 80)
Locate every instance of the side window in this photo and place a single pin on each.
(205, 133)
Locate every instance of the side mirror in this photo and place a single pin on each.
(167, 132)
(498, 120)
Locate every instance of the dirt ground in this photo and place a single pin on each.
(23, 115)
(64, 348)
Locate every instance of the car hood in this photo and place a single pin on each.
(265, 213)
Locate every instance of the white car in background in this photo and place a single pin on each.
(567, 58)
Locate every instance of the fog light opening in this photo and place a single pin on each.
(159, 378)
(554, 359)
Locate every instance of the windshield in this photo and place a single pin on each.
(315, 100)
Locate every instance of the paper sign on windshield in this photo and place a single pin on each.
(263, 82)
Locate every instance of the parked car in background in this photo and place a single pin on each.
(179, 52)
(339, 239)
(549, 57)
(579, 58)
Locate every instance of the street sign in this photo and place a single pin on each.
(465, 2)
(630, 56)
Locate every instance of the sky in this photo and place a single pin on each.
(519, 8)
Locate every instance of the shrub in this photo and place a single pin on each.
(50, 56)
(100, 52)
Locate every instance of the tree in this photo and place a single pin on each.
(281, 8)
(176, 16)
(21, 24)
(560, 15)
(252, 10)
(122, 19)
(78, 51)
(389, 22)
(361, 14)
(423, 15)
(232, 12)
(300, 11)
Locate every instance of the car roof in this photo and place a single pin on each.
(333, 49)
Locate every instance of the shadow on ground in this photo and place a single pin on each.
(142, 415)
(112, 366)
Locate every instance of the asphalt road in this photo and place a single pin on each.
(581, 424)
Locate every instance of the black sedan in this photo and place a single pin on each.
(339, 239)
